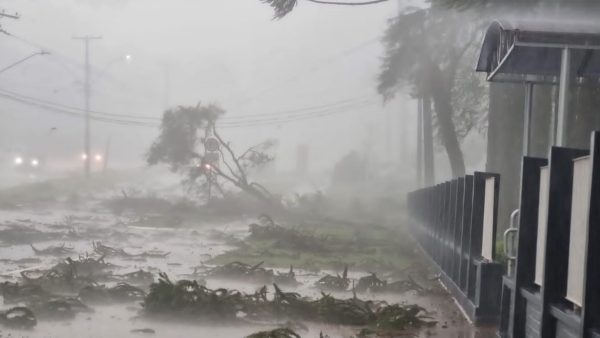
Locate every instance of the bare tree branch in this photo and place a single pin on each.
(262, 188)
(231, 153)
(249, 150)
(233, 173)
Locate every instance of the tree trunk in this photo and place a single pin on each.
(440, 93)
(428, 164)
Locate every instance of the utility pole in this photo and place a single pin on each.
(420, 143)
(106, 155)
(87, 93)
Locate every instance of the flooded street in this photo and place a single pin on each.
(190, 249)
(299, 168)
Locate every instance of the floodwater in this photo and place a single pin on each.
(189, 248)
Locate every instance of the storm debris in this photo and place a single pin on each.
(85, 266)
(20, 293)
(18, 317)
(56, 280)
(144, 330)
(284, 237)
(187, 299)
(59, 308)
(334, 283)
(369, 283)
(139, 277)
(402, 286)
(398, 317)
(277, 333)
(122, 292)
(253, 274)
(108, 251)
(59, 250)
(373, 284)
(69, 275)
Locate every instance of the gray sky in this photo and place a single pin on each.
(226, 52)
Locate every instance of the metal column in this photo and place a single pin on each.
(563, 98)
(527, 118)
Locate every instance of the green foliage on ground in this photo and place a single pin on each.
(188, 300)
(331, 246)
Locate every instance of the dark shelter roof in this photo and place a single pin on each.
(520, 51)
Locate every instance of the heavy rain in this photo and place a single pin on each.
(299, 168)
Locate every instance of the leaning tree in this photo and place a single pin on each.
(425, 52)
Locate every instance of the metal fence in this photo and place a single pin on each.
(554, 288)
(455, 224)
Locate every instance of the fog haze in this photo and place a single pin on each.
(184, 52)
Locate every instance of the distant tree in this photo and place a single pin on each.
(425, 53)
(181, 145)
(350, 170)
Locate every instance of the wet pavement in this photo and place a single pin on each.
(190, 249)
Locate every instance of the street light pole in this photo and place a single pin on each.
(23, 60)
(87, 93)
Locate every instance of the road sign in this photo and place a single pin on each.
(211, 144)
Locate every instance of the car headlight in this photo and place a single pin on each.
(35, 162)
(18, 160)
(98, 158)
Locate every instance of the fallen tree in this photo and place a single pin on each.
(191, 145)
(188, 300)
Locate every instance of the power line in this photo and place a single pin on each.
(288, 112)
(265, 117)
(73, 108)
(291, 120)
(228, 118)
(302, 116)
(72, 113)
(122, 122)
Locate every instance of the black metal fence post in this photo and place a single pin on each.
(446, 214)
(591, 302)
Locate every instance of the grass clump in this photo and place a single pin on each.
(329, 246)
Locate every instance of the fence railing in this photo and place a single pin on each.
(455, 224)
(554, 290)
